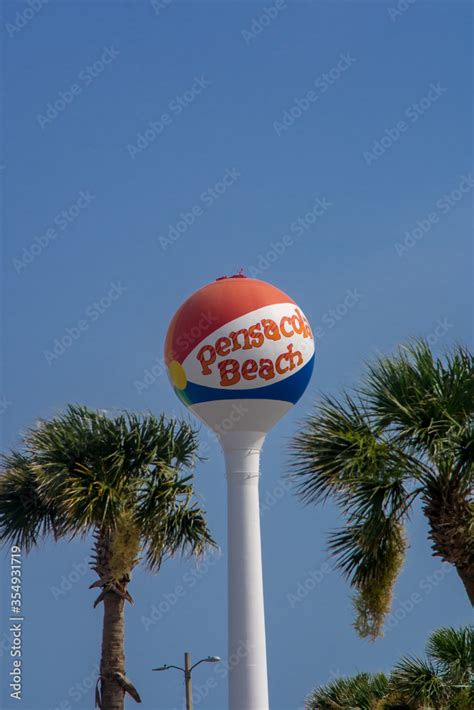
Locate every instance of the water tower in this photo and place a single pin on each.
(240, 354)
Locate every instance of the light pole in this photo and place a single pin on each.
(187, 670)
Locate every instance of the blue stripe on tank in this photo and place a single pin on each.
(287, 390)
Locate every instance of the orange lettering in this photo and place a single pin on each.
(205, 362)
(234, 336)
(223, 346)
(298, 325)
(291, 355)
(229, 371)
(249, 368)
(305, 329)
(266, 369)
(284, 320)
(278, 367)
(270, 329)
(309, 332)
(257, 337)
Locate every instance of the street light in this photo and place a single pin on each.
(187, 670)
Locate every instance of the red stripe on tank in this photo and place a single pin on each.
(211, 307)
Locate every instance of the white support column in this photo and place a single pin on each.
(248, 685)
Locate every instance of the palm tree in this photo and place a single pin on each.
(126, 480)
(406, 433)
(445, 680)
(364, 691)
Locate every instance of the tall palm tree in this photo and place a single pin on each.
(126, 480)
(445, 680)
(364, 691)
(406, 433)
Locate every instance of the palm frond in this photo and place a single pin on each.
(407, 432)
(340, 446)
(93, 470)
(184, 532)
(25, 518)
(419, 396)
(452, 652)
(342, 454)
(446, 679)
(370, 554)
(462, 446)
(418, 683)
(364, 691)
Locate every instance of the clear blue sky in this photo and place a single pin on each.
(369, 175)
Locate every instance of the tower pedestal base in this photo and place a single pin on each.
(247, 658)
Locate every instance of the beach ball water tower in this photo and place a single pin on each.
(240, 354)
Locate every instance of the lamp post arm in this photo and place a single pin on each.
(166, 668)
(196, 664)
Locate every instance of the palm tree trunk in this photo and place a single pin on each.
(467, 577)
(113, 654)
(450, 524)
